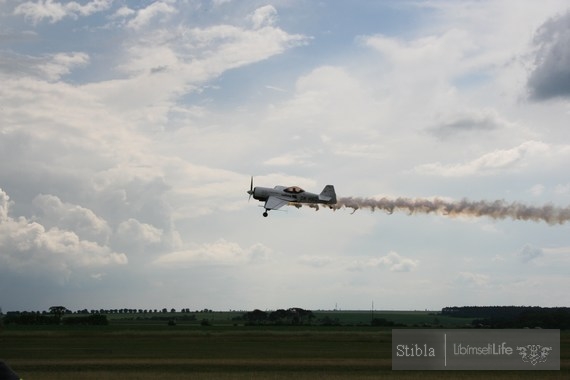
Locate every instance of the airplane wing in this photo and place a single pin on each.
(273, 203)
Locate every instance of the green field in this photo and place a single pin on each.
(132, 348)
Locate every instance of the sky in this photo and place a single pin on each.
(129, 131)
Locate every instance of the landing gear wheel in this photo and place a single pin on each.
(265, 214)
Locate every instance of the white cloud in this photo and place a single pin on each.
(4, 206)
(264, 16)
(143, 233)
(288, 159)
(562, 189)
(145, 15)
(143, 238)
(50, 67)
(84, 222)
(163, 64)
(123, 12)
(393, 261)
(316, 261)
(529, 253)
(490, 163)
(537, 189)
(454, 47)
(471, 279)
(56, 11)
(62, 64)
(221, 252)
(397, 263)
(28, 247)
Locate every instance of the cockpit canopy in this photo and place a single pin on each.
(294, 190)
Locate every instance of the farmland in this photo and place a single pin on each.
(131, 347)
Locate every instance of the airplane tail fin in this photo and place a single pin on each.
(328, 195)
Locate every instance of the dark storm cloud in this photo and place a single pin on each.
(551, 75)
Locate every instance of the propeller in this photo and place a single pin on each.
(250, 191)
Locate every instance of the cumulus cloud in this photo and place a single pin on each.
(134, 230)
(550, 77)
(264, 16)
(431, 57)
(396, 263)
(221, 252)
(303, 159)
(51, 67)
(55, 11)
(489, 163)
(471, 279)
(393, 261)
(162, 64)
(28, 247)
(53, 213)
(62, 63)
(4, 205)
(123, 12)
(529, 253)
(134, 236)
(145, 15)
(326, 101)
(537, 190)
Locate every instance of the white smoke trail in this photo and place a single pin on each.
(499, 209)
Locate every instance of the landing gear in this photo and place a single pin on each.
(265, 214)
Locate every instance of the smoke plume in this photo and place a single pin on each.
(499, 209)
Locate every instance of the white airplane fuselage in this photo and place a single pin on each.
(279, 196)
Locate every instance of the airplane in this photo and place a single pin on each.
(279, 196)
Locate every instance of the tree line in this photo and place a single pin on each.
(55, 316)
(292, 316)
(513, 316)
(116, 311)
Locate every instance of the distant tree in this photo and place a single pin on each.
(95, 320)
(382, 322)
(58, 311)
(292, 316)
(328, 321)
(255, 317)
